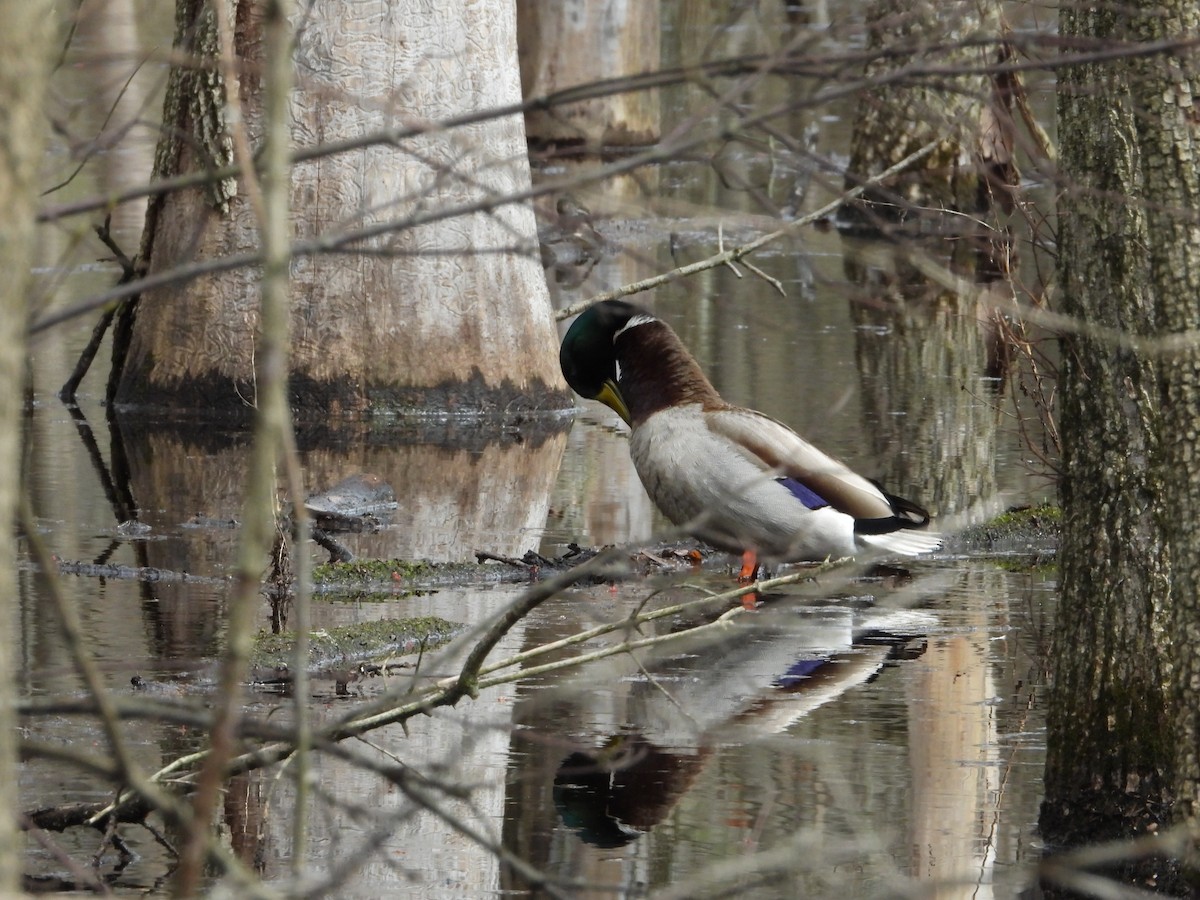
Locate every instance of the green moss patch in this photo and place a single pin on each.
(365, 571)
(352, 644)
(1044, 517)
(1027, 533)
(389, 578)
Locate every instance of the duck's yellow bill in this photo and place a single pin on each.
(610, 396)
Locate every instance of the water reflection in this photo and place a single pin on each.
(598, 498)
(457, 489)
(868, 769)
(161, 504)
(931, 374)
(794, 729)
(872, 736)
(753, 682)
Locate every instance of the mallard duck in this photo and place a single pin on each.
(732, 477)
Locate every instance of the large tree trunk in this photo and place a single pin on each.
(965, 116)
(449, 315)
(1164, 92)
(574, 42)
(25, 60)
(1129, 557)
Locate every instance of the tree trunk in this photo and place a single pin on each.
(26, 55)
(966, 116)
(573, 42)
(1164, 91)
(448, 316)
(1128, 269)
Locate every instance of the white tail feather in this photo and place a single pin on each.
(905, 542)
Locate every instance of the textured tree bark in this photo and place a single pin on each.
(1165, 91)
(1128, 557)
(26, 55)
(573, 42)
(964, 114)
(450, 316)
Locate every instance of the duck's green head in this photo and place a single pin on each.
(588, 355)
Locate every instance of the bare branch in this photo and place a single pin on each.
(825, 67)
(728, 256)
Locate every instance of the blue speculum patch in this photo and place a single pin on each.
(805, 495)
(800, 670)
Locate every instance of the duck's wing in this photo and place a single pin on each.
(777, 448)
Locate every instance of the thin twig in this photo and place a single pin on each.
(773, 282)
(651, 156)
(67, 393)
(631, 623)
(806, 64)
(272, 425)
(72, 631)
(721, 250)
(727, 256)
(1162, 347)
(104, 233)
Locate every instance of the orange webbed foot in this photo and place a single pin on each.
(749, 570)
(748, 574)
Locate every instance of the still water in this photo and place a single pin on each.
(869, 735)
(857, 735)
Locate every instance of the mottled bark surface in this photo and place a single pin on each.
(453, 313)
(26, 55)
(898, 116)
(1110, 754)
(1165, 93)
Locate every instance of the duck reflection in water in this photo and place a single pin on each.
(614, 795)
(757, 683)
